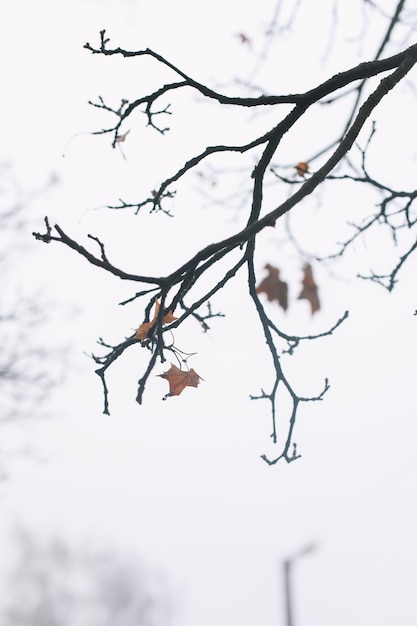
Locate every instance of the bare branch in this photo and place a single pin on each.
(190, 283)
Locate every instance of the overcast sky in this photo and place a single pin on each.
(181, 483)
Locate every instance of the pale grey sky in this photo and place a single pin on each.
(181, 482)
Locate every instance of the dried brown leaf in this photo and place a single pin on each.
(145, 330)
(274, 287)
(180, 379)
(310, 290)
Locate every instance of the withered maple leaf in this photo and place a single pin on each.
(310, 290)
(180, 379)
(145, 329)
(274, 287)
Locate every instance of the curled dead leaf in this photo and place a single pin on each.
(145, 330)
(244, 39)
(122, 138)
(302, 168)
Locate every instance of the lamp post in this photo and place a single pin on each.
(287, 567)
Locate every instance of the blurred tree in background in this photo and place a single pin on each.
(27, 369)
(25, 375)
(52, 583)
